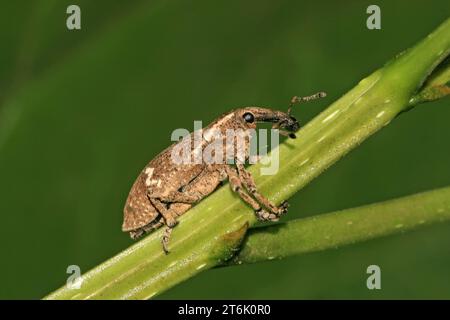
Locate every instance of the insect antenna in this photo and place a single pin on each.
(297, 99)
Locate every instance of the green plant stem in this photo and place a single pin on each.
(332, 230)
(211, 232)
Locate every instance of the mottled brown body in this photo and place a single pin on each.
(165, 190)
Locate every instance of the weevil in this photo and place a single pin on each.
(166, 189)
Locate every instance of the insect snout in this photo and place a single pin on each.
(289, 124)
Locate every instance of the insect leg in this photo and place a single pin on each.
(250, 185)
(136, 234)
(170, 219)
(205, 183)
(174, 204)
(236, 186)
(197, 189)
(168, 215)
(179, 196)
(166, 238)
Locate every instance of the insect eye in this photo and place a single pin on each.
(248, 117)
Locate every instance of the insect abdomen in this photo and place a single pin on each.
(138, 210)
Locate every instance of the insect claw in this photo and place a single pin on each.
(284, 207)
(165, 240)
(263, 215)
(165, 249)
(171, 222)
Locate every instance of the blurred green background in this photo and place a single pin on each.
(81, 112)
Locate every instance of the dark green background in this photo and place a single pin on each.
(81, 112)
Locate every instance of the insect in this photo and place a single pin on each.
(166, 189)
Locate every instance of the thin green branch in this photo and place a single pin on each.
(332, 230)
(211, 232)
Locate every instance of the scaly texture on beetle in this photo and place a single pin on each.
(166, 189)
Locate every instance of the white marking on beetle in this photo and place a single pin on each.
(381, 114)
(330, 116)
(149, 173)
